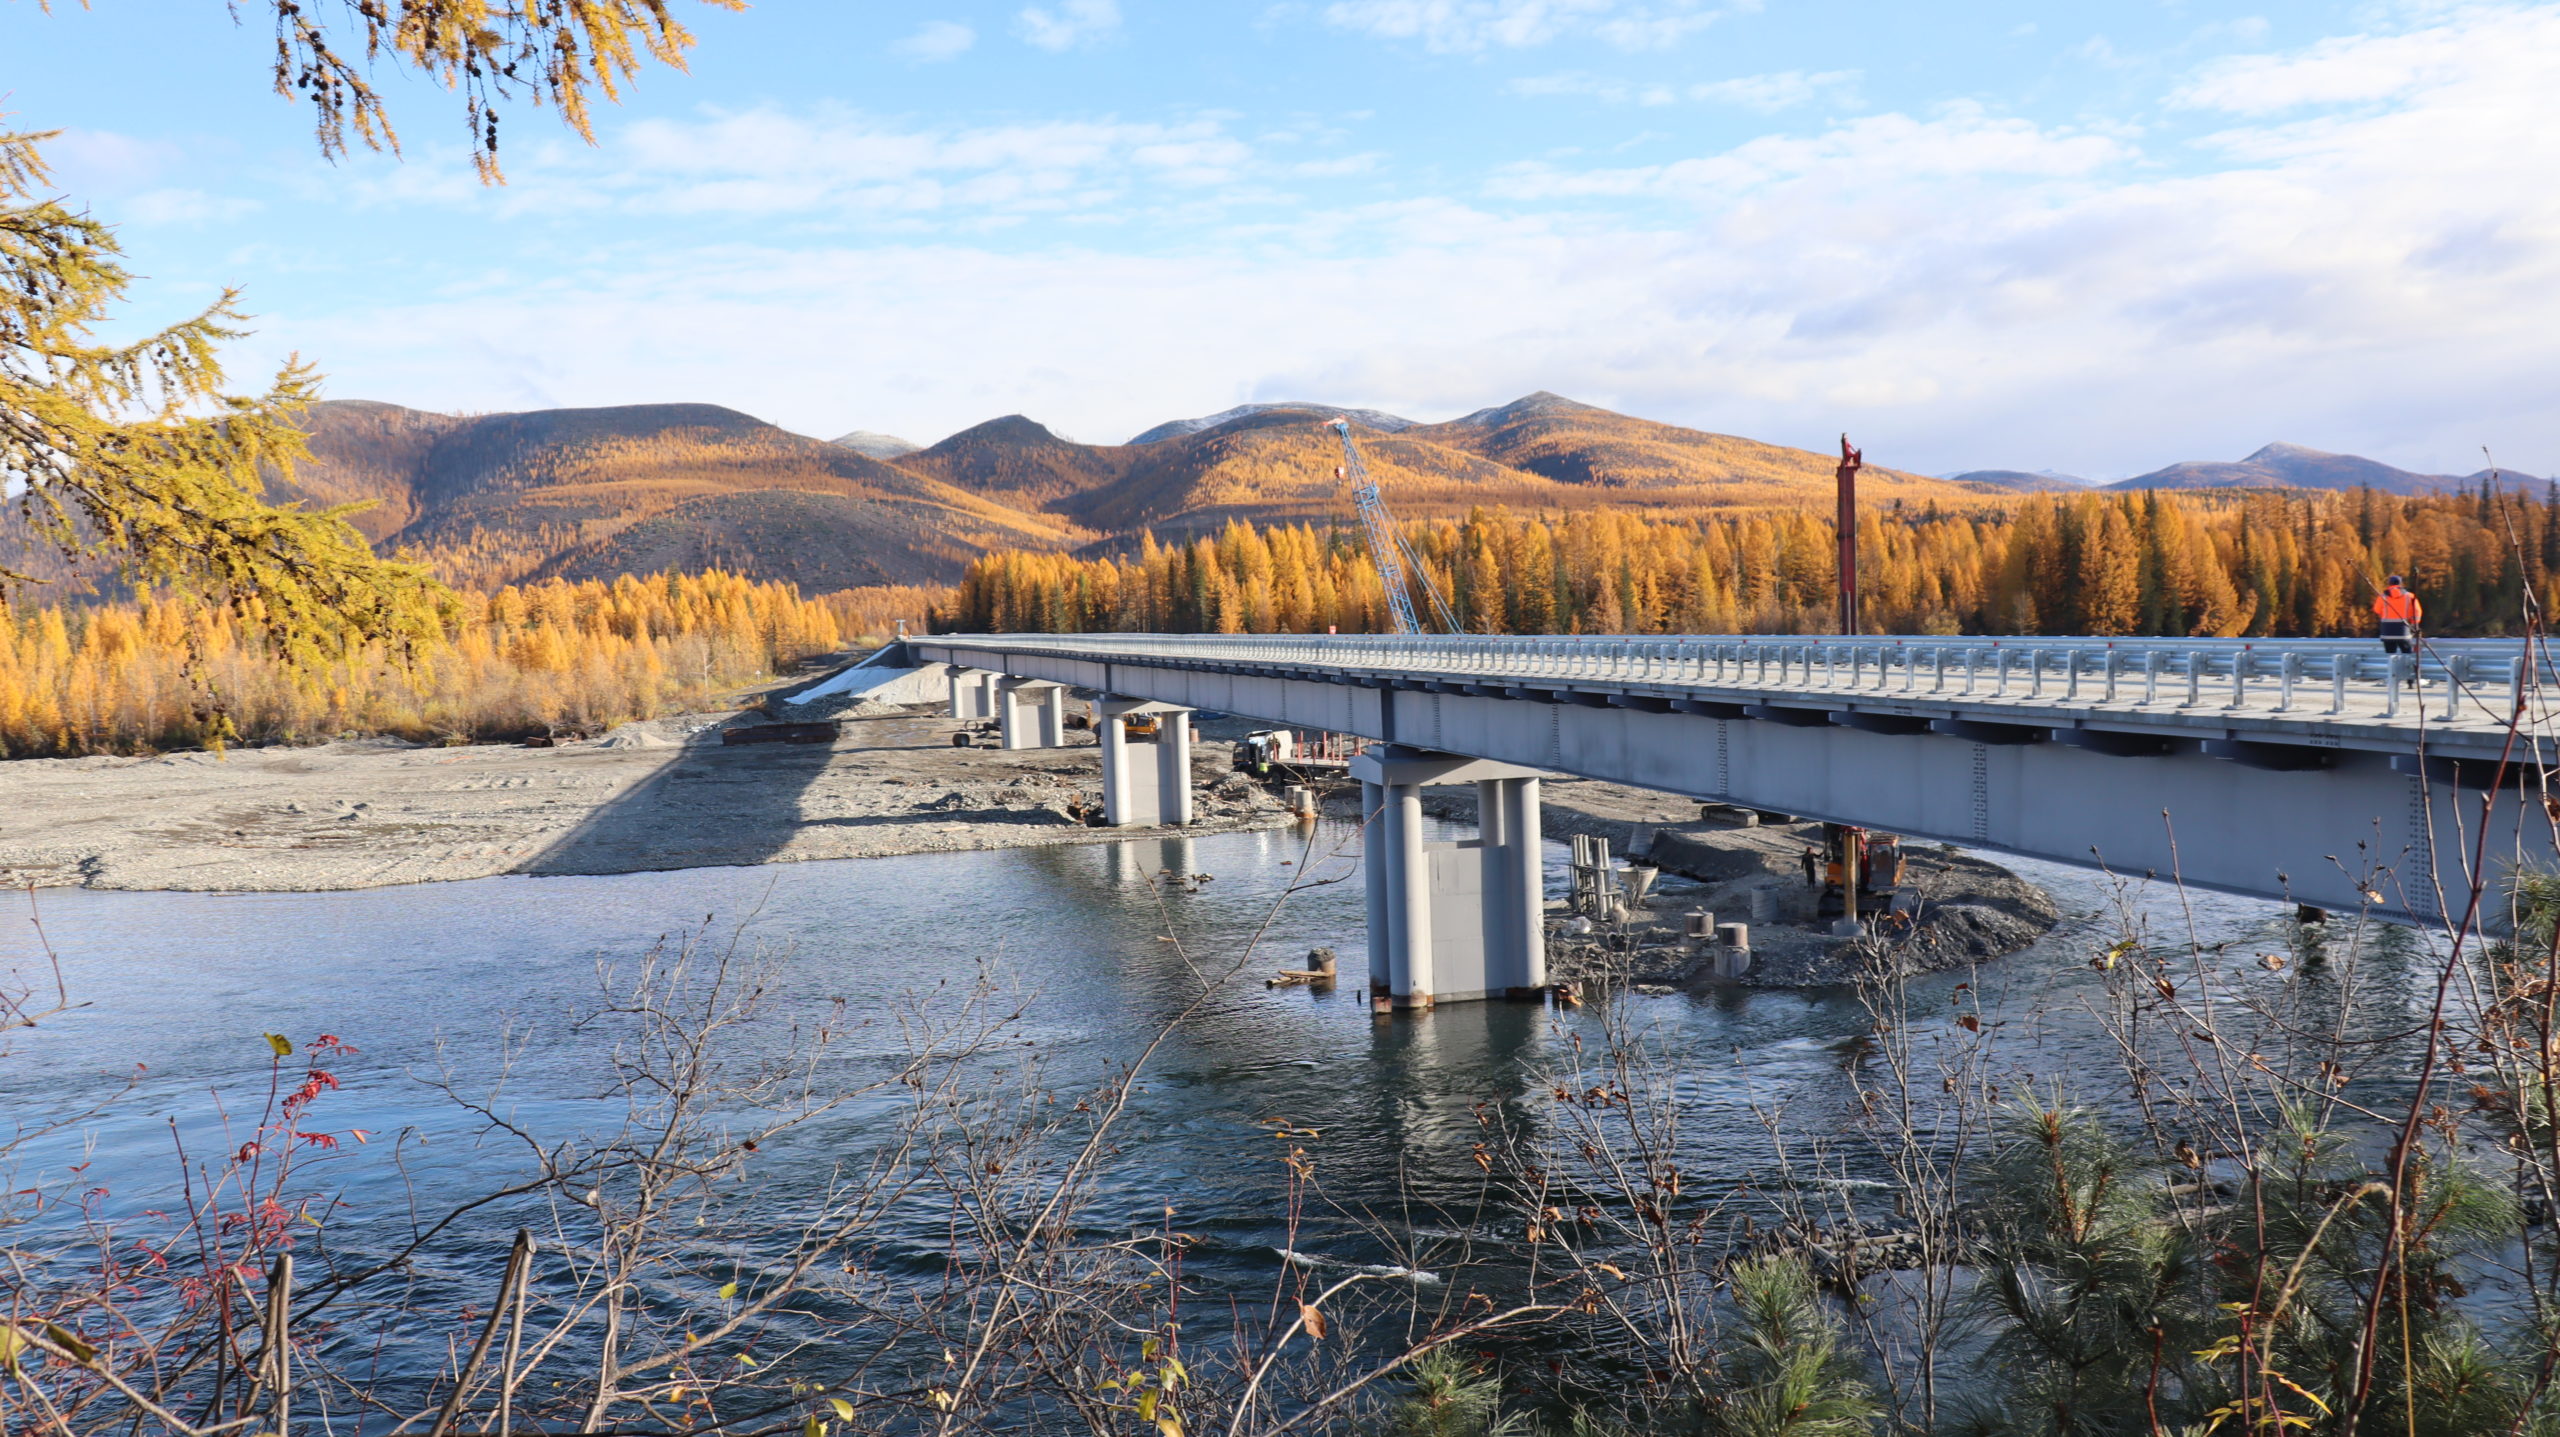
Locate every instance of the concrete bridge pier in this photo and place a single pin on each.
(1045, 729)
(1450, 922)
(973, 693)
(1142, 789)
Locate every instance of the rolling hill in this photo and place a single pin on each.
(877, 445)
(1277, 463)
(1379, 420)
(492, 498)
(1578, 445)
(1016, 461)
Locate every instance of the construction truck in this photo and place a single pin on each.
(1870, 861)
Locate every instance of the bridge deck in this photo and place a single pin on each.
(2309, 770)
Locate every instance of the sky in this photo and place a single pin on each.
(2094, 237)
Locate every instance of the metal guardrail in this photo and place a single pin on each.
(2188, 673)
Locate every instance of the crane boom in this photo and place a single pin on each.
(1398, 569)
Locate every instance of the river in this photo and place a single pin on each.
(434, 976)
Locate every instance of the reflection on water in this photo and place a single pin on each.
(430, 977)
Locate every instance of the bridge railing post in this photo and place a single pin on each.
(2341, 667)
(2195, 662)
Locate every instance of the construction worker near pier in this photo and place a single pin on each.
(2398, 612)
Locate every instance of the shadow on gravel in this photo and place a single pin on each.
(713, 805)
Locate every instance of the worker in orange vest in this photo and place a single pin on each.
(2399, 612)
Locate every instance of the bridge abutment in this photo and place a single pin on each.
(1144, 784)
(1449, 922)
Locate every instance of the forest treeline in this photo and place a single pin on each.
(538, 659)
(2259, 563)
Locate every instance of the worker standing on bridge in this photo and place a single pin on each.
(2398, 610)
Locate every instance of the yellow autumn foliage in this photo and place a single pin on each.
(537, 659)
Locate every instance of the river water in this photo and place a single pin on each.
(428, 977)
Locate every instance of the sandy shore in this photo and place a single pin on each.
(658, 795)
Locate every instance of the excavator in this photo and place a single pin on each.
(1860, 862)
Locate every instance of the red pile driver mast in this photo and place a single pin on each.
(1848, 472)
(1848, 844)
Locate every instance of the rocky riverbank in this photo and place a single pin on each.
(664, 794)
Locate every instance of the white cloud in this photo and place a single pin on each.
(1472, 25)
(936, 40)
(2354, 69)
(1963, 142)
(1367, 162)
(1070, 24)
(1958, 288)
(850, 167)
(1783, 90)
(104, 159)
(178, 206)
(1608, 89)
(1768, 94)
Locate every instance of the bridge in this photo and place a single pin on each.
(2316, 772)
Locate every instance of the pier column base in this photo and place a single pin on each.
(1146, 781)
(1450, 922)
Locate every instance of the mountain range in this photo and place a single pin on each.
(592, 493)
(2274, 466)
(589, 493)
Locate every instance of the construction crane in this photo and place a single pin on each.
(1398, 569)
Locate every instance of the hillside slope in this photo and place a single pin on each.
(819, 541)
(492, 498)
(364, 453)
(1579, 444)
(2040, 482)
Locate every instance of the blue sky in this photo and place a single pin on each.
(2096, 237)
